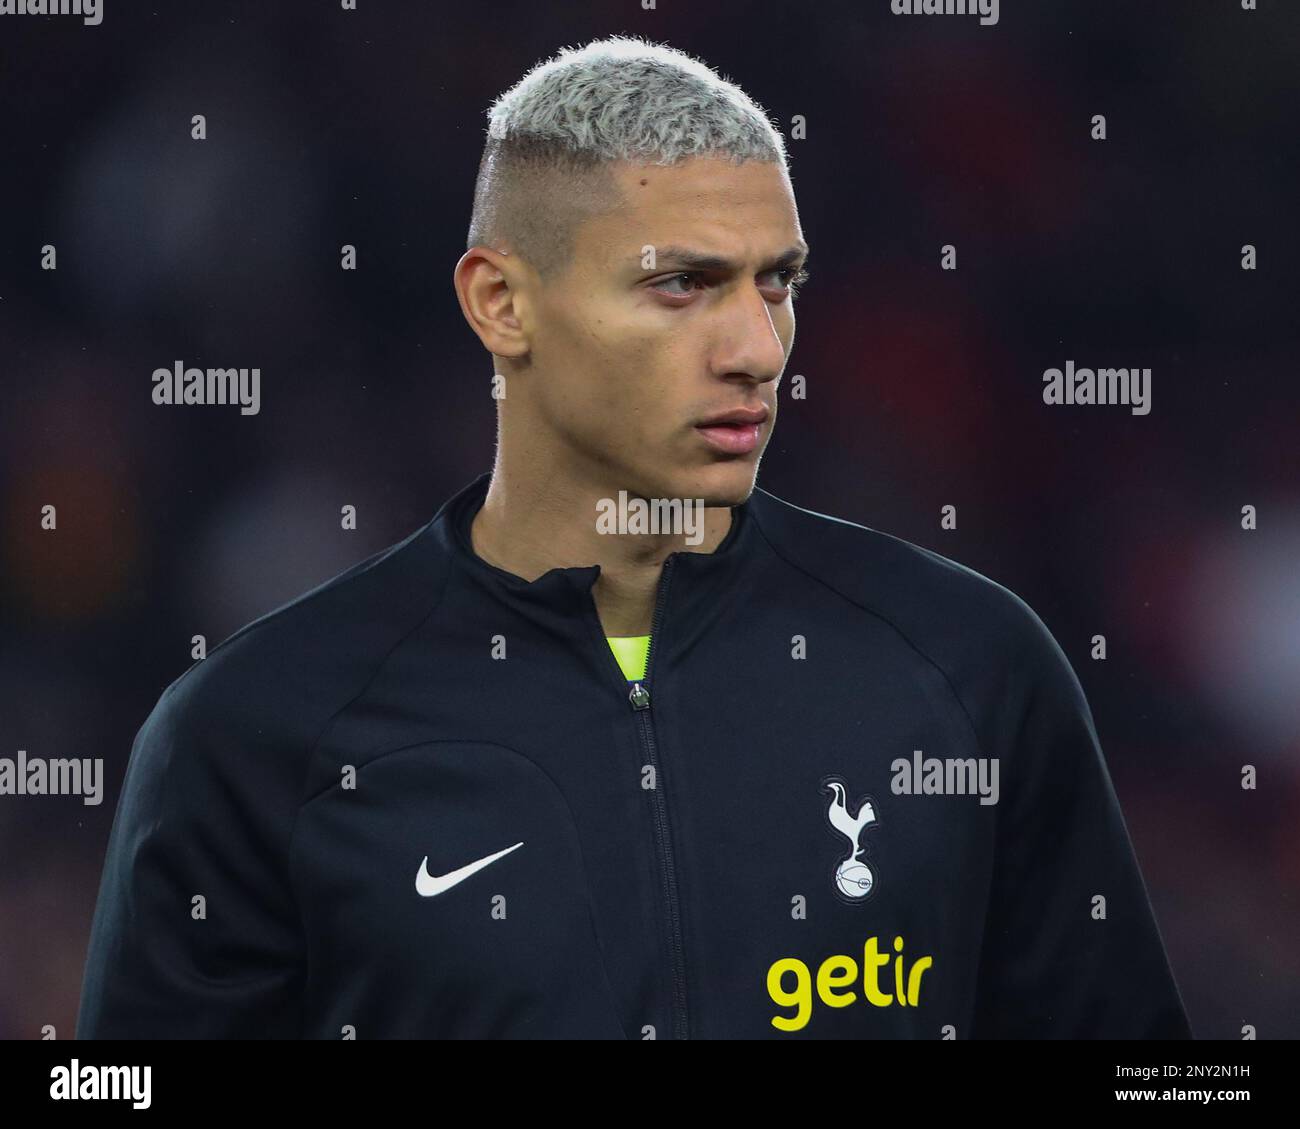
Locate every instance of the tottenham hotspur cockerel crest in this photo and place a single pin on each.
(854, 878)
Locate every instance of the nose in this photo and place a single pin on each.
(751, 346)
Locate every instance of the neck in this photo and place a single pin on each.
(531, 523)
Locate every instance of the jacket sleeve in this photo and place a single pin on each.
(1052, 966)
(195, 933)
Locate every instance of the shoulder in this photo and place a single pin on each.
(949, 612)
(260, 699)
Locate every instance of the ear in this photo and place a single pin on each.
(489, 287)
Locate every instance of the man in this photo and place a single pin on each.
(618, 745)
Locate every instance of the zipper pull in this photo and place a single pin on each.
(639, 697)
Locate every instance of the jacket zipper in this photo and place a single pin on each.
(639, 697)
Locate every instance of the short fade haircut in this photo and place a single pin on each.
(554, 135)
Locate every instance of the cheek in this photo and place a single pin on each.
(577, 364)
(656, 380)
(610, 378)
(783, 320)
(629, 372)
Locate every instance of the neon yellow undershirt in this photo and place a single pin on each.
(631, 652)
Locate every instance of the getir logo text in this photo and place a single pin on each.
(837, 981)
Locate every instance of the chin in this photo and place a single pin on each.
(722, 484)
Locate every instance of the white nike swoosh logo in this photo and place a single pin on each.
(427, 885)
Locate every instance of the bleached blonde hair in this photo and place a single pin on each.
(553, 137)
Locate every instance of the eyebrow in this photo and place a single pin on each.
(695, 260)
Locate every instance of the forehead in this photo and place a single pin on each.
(706, 203)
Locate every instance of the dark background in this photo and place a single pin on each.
(328, 127)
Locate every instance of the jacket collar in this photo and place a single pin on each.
(695, 575)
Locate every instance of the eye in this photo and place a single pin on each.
(791, 278)
(666, 284)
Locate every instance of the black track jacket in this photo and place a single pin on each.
(422, 801)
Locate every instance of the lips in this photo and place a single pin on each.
(736, 416)
(734, 432)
